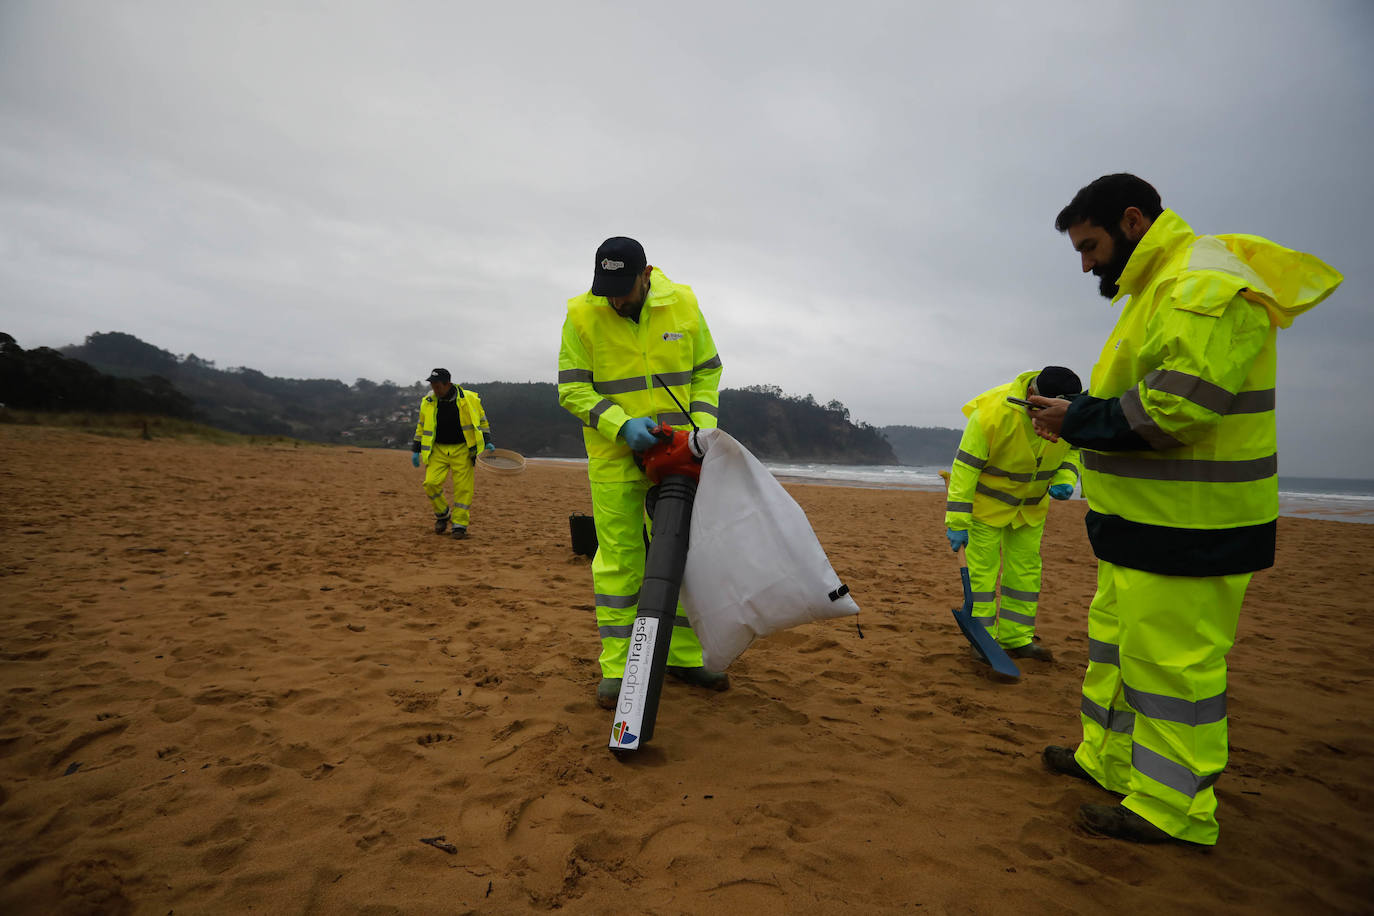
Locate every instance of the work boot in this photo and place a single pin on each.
(1032, 650)
(459, 532)
(607, 692)
(1059, 759)
(1122, 823)
(441, 522)
(701, 677)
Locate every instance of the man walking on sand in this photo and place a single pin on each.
(997, 505)
(630, 345)
(452, 428)
(1180, 469)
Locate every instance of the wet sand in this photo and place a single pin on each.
(242, 678)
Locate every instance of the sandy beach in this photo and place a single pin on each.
(251, 679)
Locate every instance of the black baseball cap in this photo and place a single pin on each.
(439, 375)
(1056, 382)
(619, 261)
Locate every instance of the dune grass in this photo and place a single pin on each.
(143, 426)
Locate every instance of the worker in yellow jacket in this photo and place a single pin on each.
(999, 489)
(452, 429)
(1180, 469)
(632, 339)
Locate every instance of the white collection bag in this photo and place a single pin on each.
(754, 565)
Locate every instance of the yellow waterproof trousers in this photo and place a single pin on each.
(1015, 553)
(618, 571)
(1154, 695)
(442, 460)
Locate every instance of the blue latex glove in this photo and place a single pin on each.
(489, 447)
(415, 459)
(957, 539)
(638, 433)
(1061, 491)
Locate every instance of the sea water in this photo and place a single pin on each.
(1334, 498)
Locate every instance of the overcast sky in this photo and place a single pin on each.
(861, 194)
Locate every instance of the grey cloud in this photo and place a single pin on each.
(862, 195)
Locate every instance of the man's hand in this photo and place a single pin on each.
(415, 459)
(957, 539)
(638, 433)
(1049, 420)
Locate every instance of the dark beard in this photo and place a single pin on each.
(1108, 274)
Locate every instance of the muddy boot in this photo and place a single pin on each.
(441, 522)
(607, 692)
(1121, 823)
(700, 677)
(459, 532)
(1061, 760)
(1032, 650)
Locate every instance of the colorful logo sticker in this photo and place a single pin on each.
(620, 733)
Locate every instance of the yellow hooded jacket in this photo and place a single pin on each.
(611, 369)
(1192, 361)
(1002, 469)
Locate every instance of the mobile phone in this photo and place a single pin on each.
(1024, 403)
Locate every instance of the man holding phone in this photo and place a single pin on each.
(1181, 474)
(997, 503)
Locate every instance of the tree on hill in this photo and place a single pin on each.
(925, 446)
(44, 379)
(524, 416)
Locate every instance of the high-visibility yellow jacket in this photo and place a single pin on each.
(470, 413)
(1003, 470)
(611, 369)
(1192, 362)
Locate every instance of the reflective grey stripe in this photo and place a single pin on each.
(594, 415)
(674, 419)
(703, 407)
(427, 434)
(1253, 402)
(1191, 469)
(1191, 387)
(466, 428)
(1141, 423)
(458, 505)
(970, 460)
(616, 632)
(1020, 595)
(666, 379)
(574, 375)
(617, 601)
(983, 596)
(1007, 497)
(712, 363)
(958, 507)
(1174, 775)
(997, 494)
(985, 621)
(619, 385)
(1209, 395)
(1104, 652)
(1172, 709)
(1014, 617)
(1010, 475)
(1069, 466)
(1115, 720)
(1046, 475)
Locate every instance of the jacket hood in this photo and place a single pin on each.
(1165, 237)
(1285, 282)
(997, 397)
